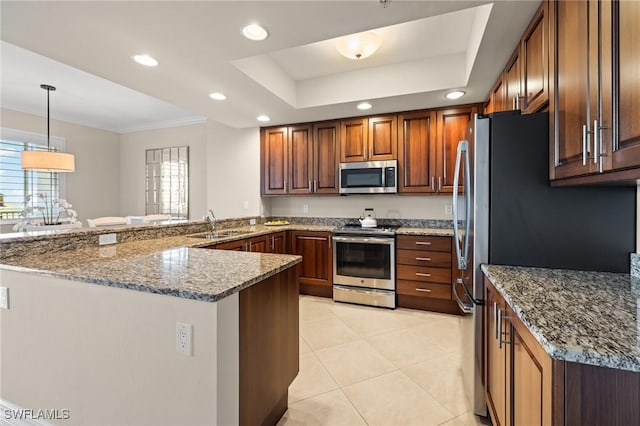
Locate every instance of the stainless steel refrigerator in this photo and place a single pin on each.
(508, 214)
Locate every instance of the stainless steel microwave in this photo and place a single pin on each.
(369, 177)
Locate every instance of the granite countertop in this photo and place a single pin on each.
(441, 232)
(171, 265)
(584, 317)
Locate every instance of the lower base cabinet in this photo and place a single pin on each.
(525, 386)
(316, 269)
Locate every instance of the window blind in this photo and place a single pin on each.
(16, 184)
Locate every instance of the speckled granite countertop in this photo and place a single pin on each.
(585, 317)
(170, 265)
(438, 232)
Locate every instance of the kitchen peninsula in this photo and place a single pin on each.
(111, 355)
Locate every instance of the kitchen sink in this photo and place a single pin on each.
(215, 235)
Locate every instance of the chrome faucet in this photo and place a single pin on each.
(211, 218)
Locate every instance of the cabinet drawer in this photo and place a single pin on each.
(415, 242)
(438, 259)
(424, 274)
(414, 288)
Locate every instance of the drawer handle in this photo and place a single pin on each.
(423, 243)
(426, 290)
(427, 259)
(422, 274)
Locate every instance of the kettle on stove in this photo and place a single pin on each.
(368, 219)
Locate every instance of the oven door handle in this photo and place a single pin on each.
(365, 240)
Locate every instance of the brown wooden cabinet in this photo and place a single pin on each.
(369, 139)
(300, 152)
(512, 90)
(300, 159)
(534, 62)
(417, 152)
(277, 242)
(453, 125)
(519, 373)
(258, 244)
(326, 156)
(424, 273)
(524, 82)
(316, 269)
(594, 131)
(274, 156)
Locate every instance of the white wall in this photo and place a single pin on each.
(93, 188)
(132, 166)
(233, 171)
(386, 206)
(109, 356)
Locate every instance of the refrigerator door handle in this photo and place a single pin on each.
(467, 308)
(462, 253)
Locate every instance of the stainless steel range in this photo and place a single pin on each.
(364, 265)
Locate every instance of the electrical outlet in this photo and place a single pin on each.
(245, 205)
(305, 208)
(448, 209)
(105, 239)
(4, 298)
(184, 338)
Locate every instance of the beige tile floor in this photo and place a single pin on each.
(370, 366)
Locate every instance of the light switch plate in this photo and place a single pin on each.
(105, 239)
(4, 298)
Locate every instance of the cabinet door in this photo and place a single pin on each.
(417, 152)
(527, 384)
(622, 18)
(534, 54)
(383, 138)
(315, 249)
(326, 156)
(353, 140)
(277, 243)
(570, 102)
(497, 96)
(274, 160)
(452, 127)
(300, 159)
(512, 82)
(496, 360)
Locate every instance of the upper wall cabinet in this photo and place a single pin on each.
(274, 161)
(371, 139)
(534, 62)
(594, 109)
(417, 152)
(453, 125)
(300, 159)
(524, 82)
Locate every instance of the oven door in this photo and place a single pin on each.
(362, 261)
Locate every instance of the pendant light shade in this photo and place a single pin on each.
(48, 161)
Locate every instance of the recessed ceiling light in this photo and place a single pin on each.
(218, 96)
(255, 32)
(364, 105)
(263, 118)
(456, 94)
(145, 60)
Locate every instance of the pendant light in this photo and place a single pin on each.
(48, 161)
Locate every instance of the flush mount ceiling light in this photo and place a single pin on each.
(255, 32)
(48, 161)
(364, 105)
(218, 96)
(145, 60)
(263, 118)
(455, 94)
(358, 46)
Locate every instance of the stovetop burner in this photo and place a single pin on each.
(355, 228)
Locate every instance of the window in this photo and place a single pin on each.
(167, 181)
(15, 183)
